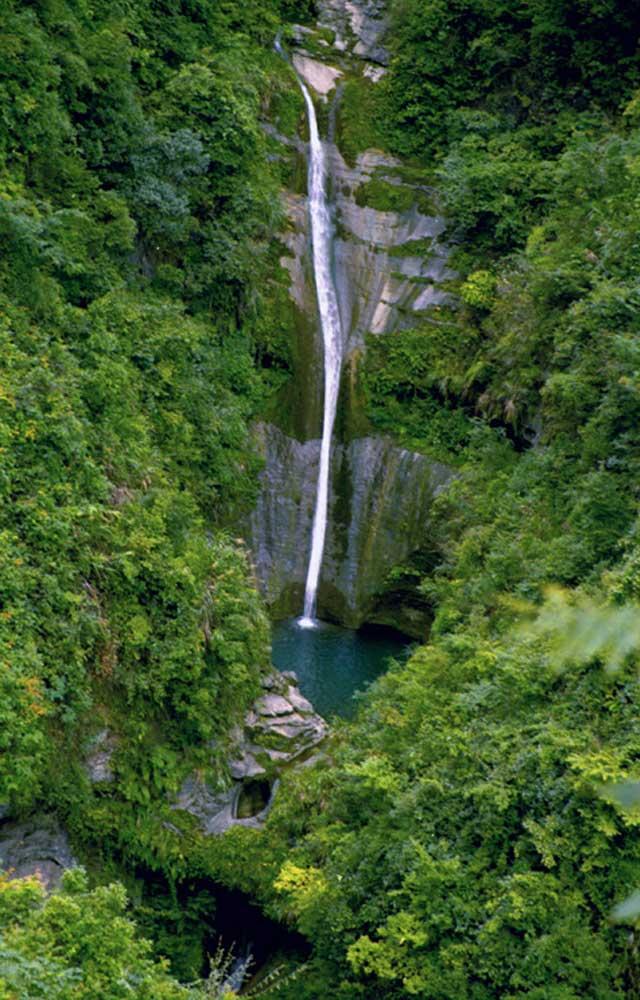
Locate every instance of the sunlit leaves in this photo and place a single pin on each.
(584, 629)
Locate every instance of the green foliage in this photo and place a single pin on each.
(74, 944)
(519, 60)
(384, 196)
(135, 257)
(478, 290)
(125, 437)
(408, 377)
(459, 844)
(470, 834)
(586, 629)
(476, 828)
(359, 118)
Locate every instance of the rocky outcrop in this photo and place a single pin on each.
(383, 281)
(38, 846)
(281, 730)
(359, 27)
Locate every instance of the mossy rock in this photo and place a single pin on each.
(413, 248)
(384, 197)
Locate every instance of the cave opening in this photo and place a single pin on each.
(253, 798)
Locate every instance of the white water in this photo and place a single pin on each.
(322, 235)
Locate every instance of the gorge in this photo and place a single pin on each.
(347, 331)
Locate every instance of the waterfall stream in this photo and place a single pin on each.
(322, 237)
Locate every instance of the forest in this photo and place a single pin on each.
(473, 833)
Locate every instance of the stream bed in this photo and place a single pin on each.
(334, 663)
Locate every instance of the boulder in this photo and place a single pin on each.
(39, 846)
(272, 704)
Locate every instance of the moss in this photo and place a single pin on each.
(413, 248)
(426, 203)
(286, 103)
(415, 173)
(384, 196)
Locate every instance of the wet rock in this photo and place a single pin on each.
(245, 766)
(38, 846)
(379, 513)
(391, 271)
(299, 702)
(317, 75)
(272, 704)
(214, 808)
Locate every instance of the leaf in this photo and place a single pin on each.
(628, 910)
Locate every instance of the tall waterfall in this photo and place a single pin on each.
(322, 235)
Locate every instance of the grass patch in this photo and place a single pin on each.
(413, 248)
(358, 120)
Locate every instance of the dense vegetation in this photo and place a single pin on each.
(138, 217)
(137, 214)
(456, 844)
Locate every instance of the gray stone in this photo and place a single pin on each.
(360, 26)
(245, 766)
(98, 762)
(38, 846)
(213, 807)
(299, 702)
(379, 513)
(318, 75)
(273, 704)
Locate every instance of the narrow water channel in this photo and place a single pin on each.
(334, 663)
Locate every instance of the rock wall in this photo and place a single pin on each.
(38, 846)
(379, 512)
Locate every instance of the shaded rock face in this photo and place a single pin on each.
(38, 846)
(381, 288)
(359, 26)
(378, 514)
(391, 270)
(281, 730)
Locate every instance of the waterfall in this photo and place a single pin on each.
(322, 236)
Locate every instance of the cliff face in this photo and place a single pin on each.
(390, 265)
(380, 502)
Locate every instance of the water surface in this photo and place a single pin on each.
(333, 663)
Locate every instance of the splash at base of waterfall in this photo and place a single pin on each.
(304, 622)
